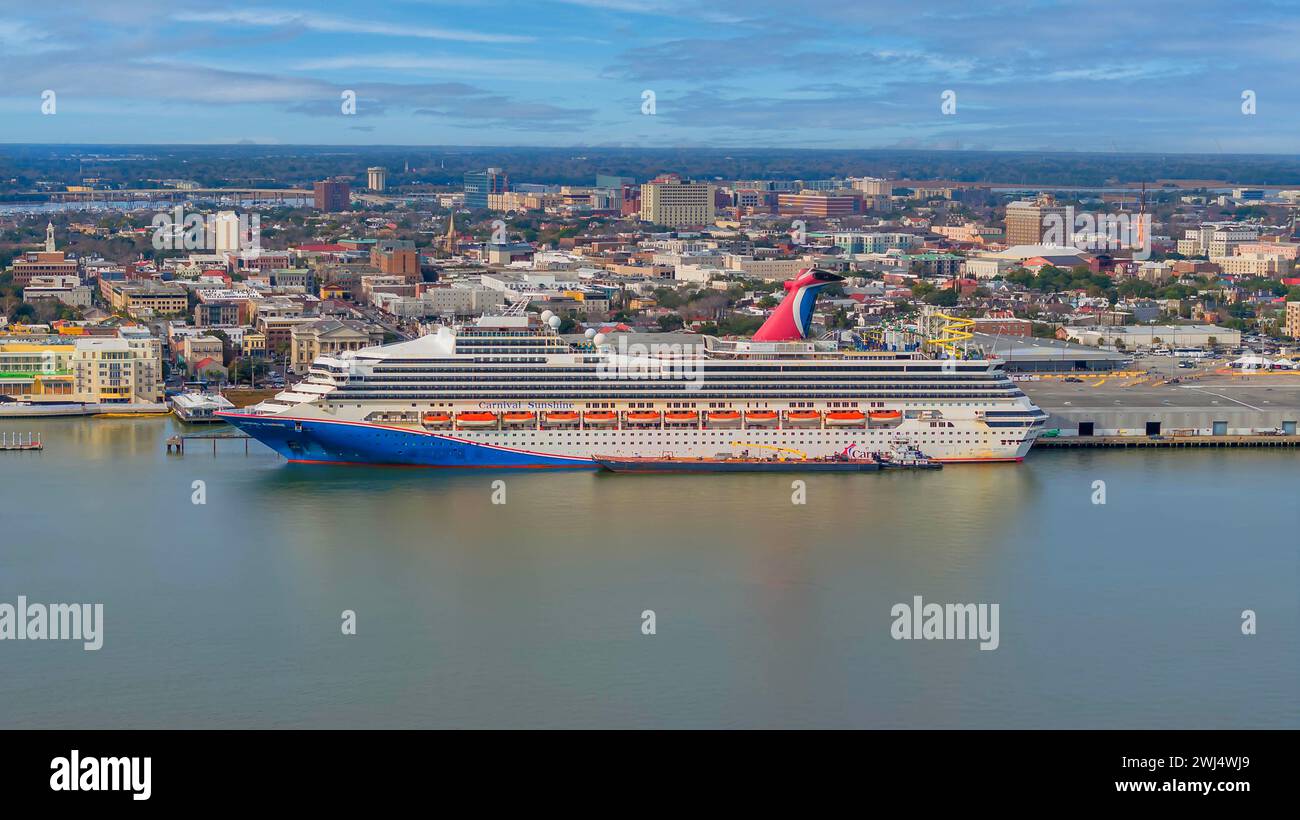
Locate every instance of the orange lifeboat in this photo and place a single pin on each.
(760, 417)
(681, 417)
(437, 419)
(845, 418)
(561, 417)
(723, 418)
(642, 417)
(475, 420)
(600, 418)
(519, 419)
(885, 415)
(803, 418)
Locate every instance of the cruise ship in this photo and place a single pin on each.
(509, 392)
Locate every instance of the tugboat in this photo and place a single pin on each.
(905, 454)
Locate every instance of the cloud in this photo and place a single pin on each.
(489, 67)
(343, 25)
(18, 37)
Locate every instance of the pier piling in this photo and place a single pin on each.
(176, 444)
(13, 442)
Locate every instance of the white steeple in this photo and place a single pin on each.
(49, 237)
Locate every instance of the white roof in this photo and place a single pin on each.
(1030, 251)
(434, 345)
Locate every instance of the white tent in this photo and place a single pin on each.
(1251, 361)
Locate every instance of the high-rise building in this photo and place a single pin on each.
(669, 201)
(227, 237)
(376, 178)
(873, 186)
(479, 185)
(1293, 319)
(1026, 217)
(332, 195)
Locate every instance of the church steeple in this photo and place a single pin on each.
(450, 242)
(49, 237)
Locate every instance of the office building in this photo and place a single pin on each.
(479, 185)
(332, 196)
(669, 201)
(1025, 220)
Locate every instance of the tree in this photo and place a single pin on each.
(670, 322)
(942, 298)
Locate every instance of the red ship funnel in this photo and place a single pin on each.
(793, 317)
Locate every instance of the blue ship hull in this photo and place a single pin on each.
(313, 441)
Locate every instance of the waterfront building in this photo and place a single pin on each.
(36, 368)
(127, 368)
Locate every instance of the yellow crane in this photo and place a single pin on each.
(802, 455)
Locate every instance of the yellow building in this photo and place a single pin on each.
(126, 367)
(254, 343)
(32, 370)
(117, 369)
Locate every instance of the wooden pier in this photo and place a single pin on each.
(1124, 442)
(14, 442)
(176, 444)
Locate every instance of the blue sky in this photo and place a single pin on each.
(1072, 76)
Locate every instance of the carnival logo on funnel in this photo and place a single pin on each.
(793, 317)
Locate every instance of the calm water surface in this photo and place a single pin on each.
(768, 614)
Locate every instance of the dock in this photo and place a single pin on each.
(14, 442)
(1123, 442)
(176, 444)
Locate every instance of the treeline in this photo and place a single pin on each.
(263, 166)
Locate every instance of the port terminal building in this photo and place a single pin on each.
(1024, 354)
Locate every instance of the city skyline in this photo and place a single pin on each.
(1057, 77)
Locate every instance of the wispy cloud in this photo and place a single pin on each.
(474, 66)
(314, 21)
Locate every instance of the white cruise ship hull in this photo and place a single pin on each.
(313, 438)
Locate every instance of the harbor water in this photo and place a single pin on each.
(534, 612)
